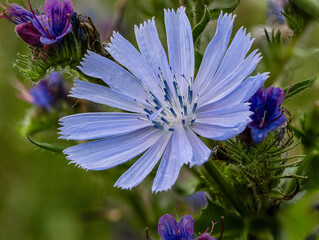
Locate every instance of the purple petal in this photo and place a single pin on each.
(186, 227)
(167, 227)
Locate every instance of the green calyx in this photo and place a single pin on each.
(250, 178)
(66, 53)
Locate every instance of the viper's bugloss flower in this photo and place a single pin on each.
(55, 22)
(36, 27)
(170, 229)
(168, 105)
(268, 115)
(46, 93)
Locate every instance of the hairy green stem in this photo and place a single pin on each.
(213, 176)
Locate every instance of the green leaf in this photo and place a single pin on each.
(216, 6)
(298, 87)
(47, 146)
(309, 6)
(199, 28)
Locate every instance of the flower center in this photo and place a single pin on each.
(178, 107)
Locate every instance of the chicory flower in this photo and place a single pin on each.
(167, 105)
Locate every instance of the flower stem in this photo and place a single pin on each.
(213, 176)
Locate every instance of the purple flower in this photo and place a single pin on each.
(206, 236)
(268, 115)
(169, 229)
(166, 105)
(274, 15)
(197, 200)
(55, 22)
(46, 93)
(37, 28)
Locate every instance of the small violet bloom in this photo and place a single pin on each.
(169, 229)
(46, 93)
(197, 200)
(37, 28)
(206, 236)
(274, 15)
(168, 104)
(268, 115)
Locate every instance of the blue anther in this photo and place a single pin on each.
(185, 110)
(180, 101)
(148, 111)
(190, 95)
(173, 112)
(194, 107)
(164, 120)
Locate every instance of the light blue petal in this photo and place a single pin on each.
(201, 152)
(226, 117)
(142, 167)
(126, 54)
(112, 74)
(87, 126)
(104, 95)
(215, 52)
(217, 132)
(168, 171)
(232, 61)
(251, 85)
(182, 149)
(112, 151)
(180, 45)
(230, 82)
(241, 94)
(152, 50)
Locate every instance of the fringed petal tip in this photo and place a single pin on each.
(143, 25)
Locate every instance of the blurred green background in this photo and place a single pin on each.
(42, 197)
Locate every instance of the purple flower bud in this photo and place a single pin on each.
(206, 236)
(268, 115)
(169, 229)
(28, 33)
(197, 200)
